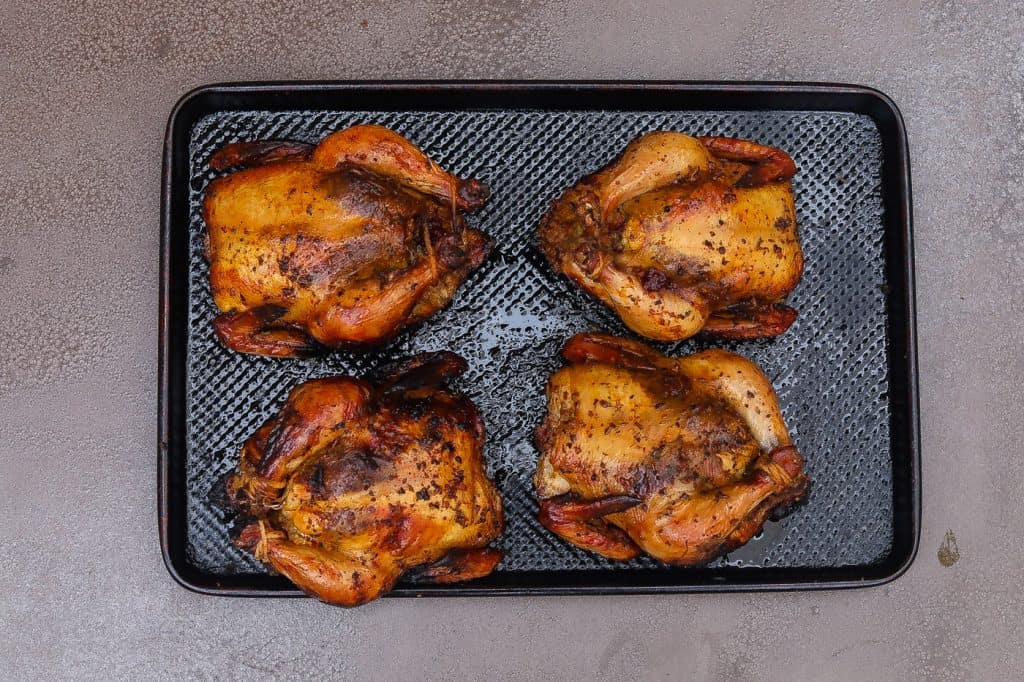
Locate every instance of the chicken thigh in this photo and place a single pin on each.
(353, 484)
(341, 244)
(684, 234)
(683, 459)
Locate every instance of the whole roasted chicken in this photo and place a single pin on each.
(683, 234)
(683, 459)
(340, 244)
(353, 484)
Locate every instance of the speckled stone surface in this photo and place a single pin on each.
(87, 89)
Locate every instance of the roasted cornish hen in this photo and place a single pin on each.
(341, 244)
(684, 234)
(353, 484)
(683, 459)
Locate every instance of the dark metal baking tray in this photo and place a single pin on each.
(846, 372)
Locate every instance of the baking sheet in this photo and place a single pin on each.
(837, 371)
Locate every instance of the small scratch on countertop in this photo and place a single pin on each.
(867, 642)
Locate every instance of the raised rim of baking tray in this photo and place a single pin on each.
(561, 95)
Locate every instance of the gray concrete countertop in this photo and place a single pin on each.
(87, 90)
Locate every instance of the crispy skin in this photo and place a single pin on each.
(352, 484)
(683, 459)
(347, 243)
(684, 234)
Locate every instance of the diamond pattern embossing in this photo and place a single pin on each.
(511, 317)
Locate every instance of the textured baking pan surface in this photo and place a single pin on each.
(843, 372)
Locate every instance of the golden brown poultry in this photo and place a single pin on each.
(352, 484)
(341, 244)
(684, 234)
(683, 459)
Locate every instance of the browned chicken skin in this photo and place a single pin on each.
(683, 459)
(683, 234)
(352, 484)
(341, 244)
